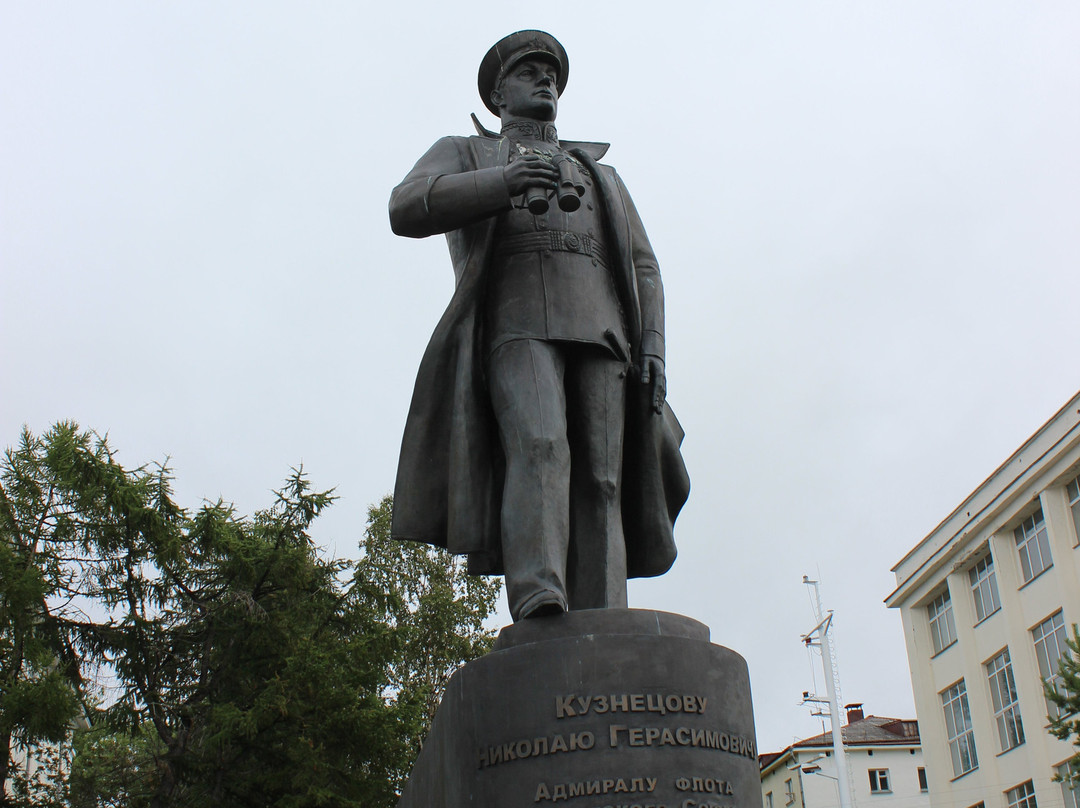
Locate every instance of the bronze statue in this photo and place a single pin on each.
(539, 441)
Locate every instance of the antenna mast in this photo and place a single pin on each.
(818, 637)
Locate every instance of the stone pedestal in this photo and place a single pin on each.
(612, 707)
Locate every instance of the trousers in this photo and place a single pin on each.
(560, 409)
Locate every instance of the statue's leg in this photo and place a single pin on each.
(596, 403)
(526, 382)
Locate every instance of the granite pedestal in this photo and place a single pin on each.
(609, 707)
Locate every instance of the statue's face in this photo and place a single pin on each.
(528, 91)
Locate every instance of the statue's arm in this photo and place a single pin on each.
(443, 193)
(651, 300)
(650, 287)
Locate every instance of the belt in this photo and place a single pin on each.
(558, 240)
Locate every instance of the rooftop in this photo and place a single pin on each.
(1042, 457)
(872, 730)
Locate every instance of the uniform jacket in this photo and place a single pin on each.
(450, 472)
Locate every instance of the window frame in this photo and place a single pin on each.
(1033, 536)
(789, 792)
(924, 784)
(1072, 494)
(939, 613)
(1005, 699)
(1048, 668)
(879, 781)
(983, 581)
(1022, 796)
(960, 734)
(1070, 792)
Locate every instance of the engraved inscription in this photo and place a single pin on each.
(534, 747)
(573, 705)
(554, 792)
(705, 785)
(681, 736)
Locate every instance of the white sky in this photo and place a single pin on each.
(866, 215)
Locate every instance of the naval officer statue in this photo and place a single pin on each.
(539, 441)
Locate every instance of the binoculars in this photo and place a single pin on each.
(569, 191)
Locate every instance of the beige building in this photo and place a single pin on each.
(884, 762)
(987, 600)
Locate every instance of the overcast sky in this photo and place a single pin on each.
(866, 216)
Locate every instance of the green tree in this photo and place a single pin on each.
(432, 611)
(245, 667)
(1066, 697)
(112, 768)
(40, 682)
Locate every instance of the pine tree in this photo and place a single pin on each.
(1066, 697)
(244, 668)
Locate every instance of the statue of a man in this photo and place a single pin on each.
(539, 441)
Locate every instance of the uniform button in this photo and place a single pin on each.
(541, 225)
(588, 206)
(595, 263)
(591, 233)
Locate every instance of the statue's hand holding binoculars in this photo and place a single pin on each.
(535, 177)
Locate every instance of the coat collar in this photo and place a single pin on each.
(594, 150)
(531, 130)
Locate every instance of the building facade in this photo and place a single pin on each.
(884, 761)
(987, 600)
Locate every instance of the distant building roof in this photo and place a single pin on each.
(765, 758)
(871, 730)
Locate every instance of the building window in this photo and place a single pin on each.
(768, 800)
(789, 792)
(1034, 546)
(922, 780)
(879, 781)
(942, 628)
(1023, 796)
(1049, 637)
(958, 728)
(1006, 702)
(1070, 791)
(984, 588)
(1072, 490)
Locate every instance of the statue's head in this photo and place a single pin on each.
(523, 76)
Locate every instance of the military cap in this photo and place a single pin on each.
(510, 50)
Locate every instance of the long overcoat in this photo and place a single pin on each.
(450, 472)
